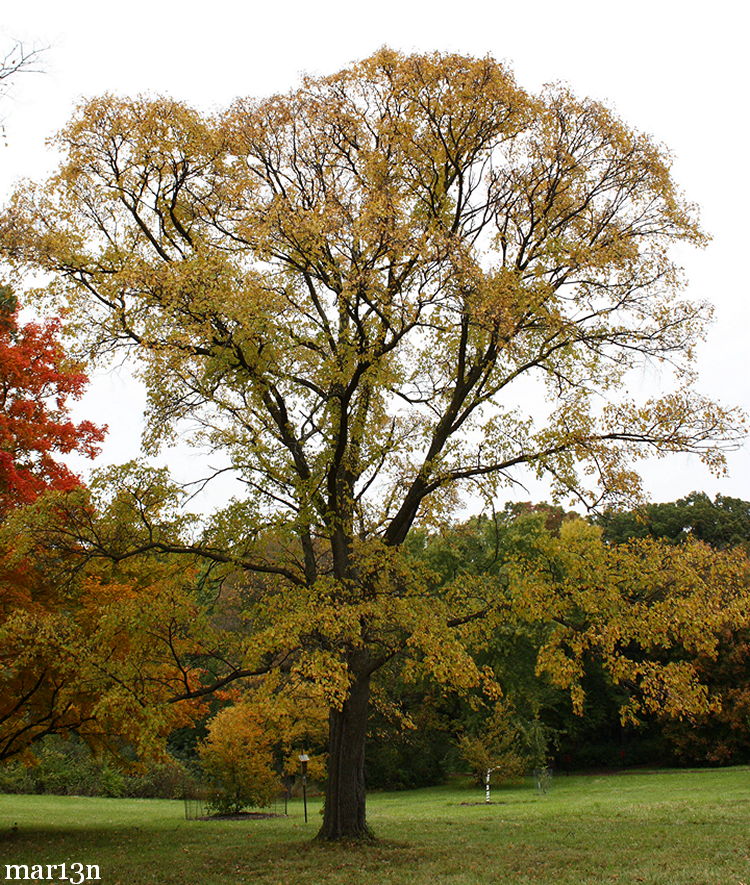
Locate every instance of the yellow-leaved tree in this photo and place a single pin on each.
(349, 290)
(252, 741)
(651, 611)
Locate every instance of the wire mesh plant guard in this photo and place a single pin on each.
(195, 808)
(542, 779)
(196, 801)
(194, 798)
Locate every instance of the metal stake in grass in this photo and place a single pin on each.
(487, 784)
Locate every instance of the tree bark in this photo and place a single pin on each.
(344, 813)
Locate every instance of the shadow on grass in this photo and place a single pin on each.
(212, 855)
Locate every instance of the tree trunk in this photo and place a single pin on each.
(344, 813)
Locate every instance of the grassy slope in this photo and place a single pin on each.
(668, 828)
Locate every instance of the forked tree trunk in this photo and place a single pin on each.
(344, 813)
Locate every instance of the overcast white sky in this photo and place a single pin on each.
(677, 70)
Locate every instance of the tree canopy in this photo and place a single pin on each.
(351, 290)
(724, 522)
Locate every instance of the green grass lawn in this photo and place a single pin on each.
(668, 827)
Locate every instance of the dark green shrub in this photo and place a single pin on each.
(66, 766)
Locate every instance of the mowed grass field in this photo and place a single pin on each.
(666, 827)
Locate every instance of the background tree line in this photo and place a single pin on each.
(538, 713)
(246, 744)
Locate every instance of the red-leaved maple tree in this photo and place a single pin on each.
(37, 381)
(73, 643)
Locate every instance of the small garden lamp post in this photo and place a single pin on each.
(304, 759)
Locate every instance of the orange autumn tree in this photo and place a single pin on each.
(37, 381)
(259, 737)
(91, 657)
(118, 652)
(237, 756)
(350, 290)
(81, 649)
